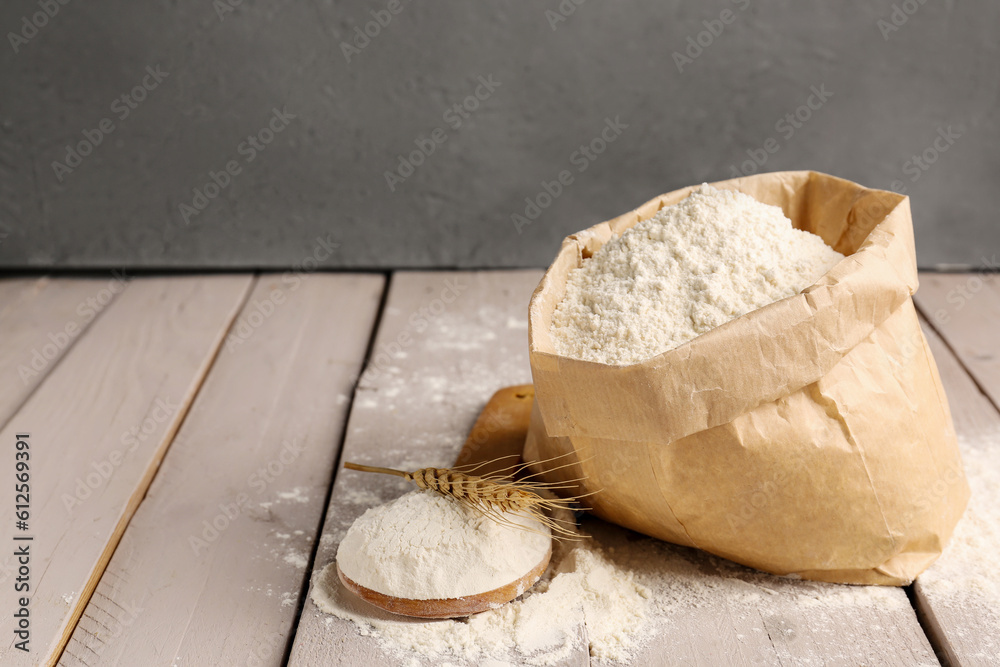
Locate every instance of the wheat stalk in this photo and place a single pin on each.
(495, 495)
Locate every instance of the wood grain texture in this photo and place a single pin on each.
(215, 559)
(965, 309)
(40, 320)
(447, 341)
(957, 597)
(416, 410)
(99, 427)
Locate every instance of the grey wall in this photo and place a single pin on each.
(322, 177)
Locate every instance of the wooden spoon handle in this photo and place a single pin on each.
(500, 430)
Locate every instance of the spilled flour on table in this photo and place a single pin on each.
(295, 559)
(541, 628)
(296, 495)
(966, 578)
(361, 496)
(626, 598)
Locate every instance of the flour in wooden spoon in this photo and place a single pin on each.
(623, 599)
(584, 588)
(425, 546)
(690, 268)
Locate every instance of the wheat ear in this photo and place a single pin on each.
(492, 496)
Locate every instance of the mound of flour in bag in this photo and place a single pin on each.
(691, 267)
(425, 546)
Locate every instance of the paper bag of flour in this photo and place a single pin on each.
(811, 437)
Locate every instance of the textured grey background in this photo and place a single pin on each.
(323, 176)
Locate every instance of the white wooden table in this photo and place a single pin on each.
(185, 434)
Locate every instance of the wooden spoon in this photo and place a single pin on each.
(449, 607)
(499, 432)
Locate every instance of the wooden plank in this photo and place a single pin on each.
(416, 409)
(11, 289)
(446, 342)
(965, 309)
(41, 319)
(215, 558)
(959, 596)
(712, 611)
(99, 426)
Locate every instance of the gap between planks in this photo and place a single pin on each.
(963, 310)
(32, 311)
(283, 383)
(338, 461)
(415, 408)
(143, 486)
(158, 334)
(963, 338)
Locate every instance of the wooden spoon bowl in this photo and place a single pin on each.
(449, 607)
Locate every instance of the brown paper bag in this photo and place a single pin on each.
(811, 437)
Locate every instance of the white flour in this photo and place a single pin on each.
(541, 628)
(966, 577)
(691, 267)
(425, 546)
(610, 594)
(296, 559)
